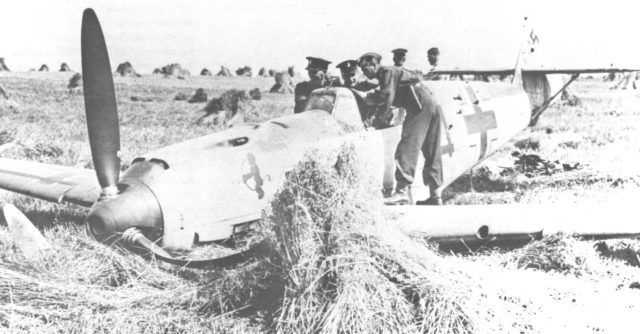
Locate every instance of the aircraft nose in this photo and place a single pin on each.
(99, 222)
(135, 206)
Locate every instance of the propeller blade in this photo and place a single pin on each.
(26, 236)
(100, 104)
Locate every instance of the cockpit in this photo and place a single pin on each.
(340, 102)
(347, 107)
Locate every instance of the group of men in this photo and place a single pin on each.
(399, 87)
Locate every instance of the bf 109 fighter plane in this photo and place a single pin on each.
(206, 189)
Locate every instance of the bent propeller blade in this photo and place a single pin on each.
(100, 104)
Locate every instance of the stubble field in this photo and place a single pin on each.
(556, 284)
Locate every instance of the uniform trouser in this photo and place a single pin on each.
(420, 132)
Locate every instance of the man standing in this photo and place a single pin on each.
(433, 56)
(399, 56)
(420, 130)
(317, 71)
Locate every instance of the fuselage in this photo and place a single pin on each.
(213, 183)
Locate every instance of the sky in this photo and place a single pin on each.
(277, 34)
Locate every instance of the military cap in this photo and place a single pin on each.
(348, 66)
(433, 51)
(370, 55)
(400, 51)
(317, 63)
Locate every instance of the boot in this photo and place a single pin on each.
(387, 192)
(431, 201)
(400, 197)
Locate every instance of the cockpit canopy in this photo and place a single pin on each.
(340, 102)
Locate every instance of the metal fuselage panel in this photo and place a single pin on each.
(227, 178)
(219, 180)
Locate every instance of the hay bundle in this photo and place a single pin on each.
(224, 72)
(244, 71)
(283, 85)
(291, 71)
(157, 71)
(64, 68)
(3, 66)
(272, 72)
(532, 165)
(558, 253)
(126, 70)
(41, 150)
(174, 69)
(349, 272)
(255, 94)
(137, 98)
(262, 72)
(181, 97)
(75, 82)
(205, 72)
(230, 102)
(43, 68)
(199, 96)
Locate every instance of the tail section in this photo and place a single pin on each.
(528, 46)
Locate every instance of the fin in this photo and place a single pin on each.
(528, 46)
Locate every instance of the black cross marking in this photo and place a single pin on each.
(480, 122)
(446, 149)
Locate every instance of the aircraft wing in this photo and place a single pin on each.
(487, 223)
(50, 182)
(509, 71)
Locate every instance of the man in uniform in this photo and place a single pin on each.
(433, 56)
(399, 56)
(420, 130)
(349, 73)
(317, 71)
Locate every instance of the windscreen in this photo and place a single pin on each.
(324, 100)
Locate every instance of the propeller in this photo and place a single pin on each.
(135, 209)
(100, 104)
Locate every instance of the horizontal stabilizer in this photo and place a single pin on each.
(509, 71)
(49, 182)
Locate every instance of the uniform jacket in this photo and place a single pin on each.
(302, 92)
(398, 88)
(432, 76)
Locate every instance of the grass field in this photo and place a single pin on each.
(85, 287)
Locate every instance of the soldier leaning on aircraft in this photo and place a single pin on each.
(399, 57)
(420, 130)
(317, 71)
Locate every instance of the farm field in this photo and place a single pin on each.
(556, 284)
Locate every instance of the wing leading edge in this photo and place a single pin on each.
(50, 182)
